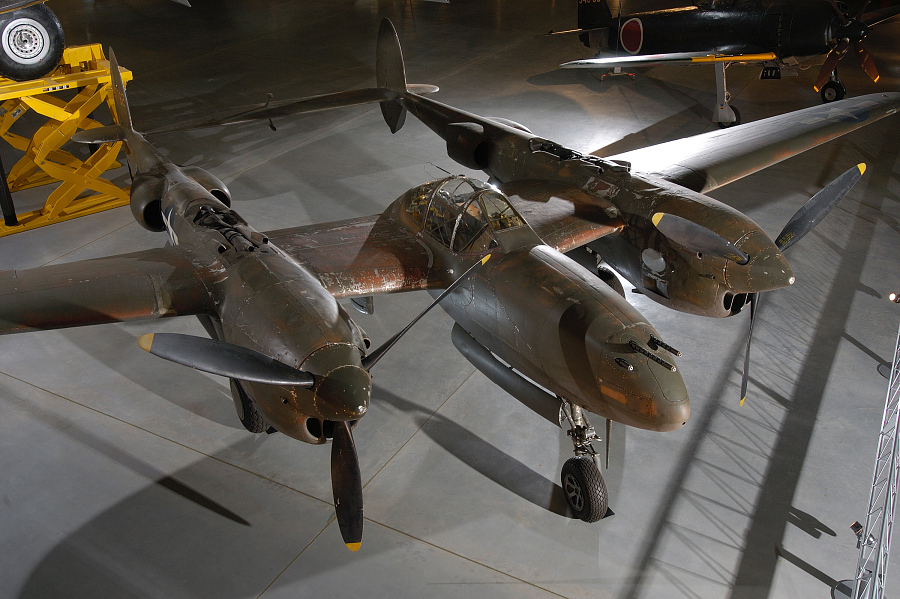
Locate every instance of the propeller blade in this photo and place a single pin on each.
(831, 61)
(346, 484)
(697, 237)
(370, 360)
(879, 16)
(866, 62)
(818, 207)
(753, 299)
(224, 359)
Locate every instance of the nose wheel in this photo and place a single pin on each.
(582, 483)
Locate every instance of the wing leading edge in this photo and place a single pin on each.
(148, 284)
(709, 160)
(656, 60)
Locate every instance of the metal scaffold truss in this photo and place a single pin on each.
(875, 536)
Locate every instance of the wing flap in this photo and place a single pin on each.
(563, 216)
(709, 160)
(149, 284)
(361, 256)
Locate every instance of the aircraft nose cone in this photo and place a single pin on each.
(653, 395)
(767, 269)
(343, 393)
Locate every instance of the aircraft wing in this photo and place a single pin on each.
(655, 60)
(148, 284)
(376, 254)
(709, 160)
(361, 256)
(562, 215)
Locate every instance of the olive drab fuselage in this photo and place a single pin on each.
(265, 300)
(554, 322)
(664, 271)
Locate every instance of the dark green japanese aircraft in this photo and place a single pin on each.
(525, 312)
(778, 35)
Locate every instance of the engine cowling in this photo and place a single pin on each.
(468, 145)
(210, 183)
(146, 201)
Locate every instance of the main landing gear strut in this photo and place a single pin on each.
(582, 483)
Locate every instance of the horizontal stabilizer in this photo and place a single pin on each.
(271, 110)
(100, 135)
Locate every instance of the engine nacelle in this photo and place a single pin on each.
(146, 201)
(210, 183)
(468, 145)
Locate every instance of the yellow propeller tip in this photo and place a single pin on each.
(485, 259)
(353, 546)
(862, 168)
(146, 341)
(742, 400)
(657, 217)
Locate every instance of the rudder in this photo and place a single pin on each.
(123, 114)
(390, 73)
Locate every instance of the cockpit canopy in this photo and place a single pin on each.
(461, 213)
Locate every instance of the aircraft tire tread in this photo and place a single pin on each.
(584, 488)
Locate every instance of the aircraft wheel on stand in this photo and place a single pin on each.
(249, 416)
(736, 121)
(832, 91)
(584, 488)
(31, 42)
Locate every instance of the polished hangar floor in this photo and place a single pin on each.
(122, 475)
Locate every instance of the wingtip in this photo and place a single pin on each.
(146, 341)
(353, 546)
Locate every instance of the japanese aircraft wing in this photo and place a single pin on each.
(148, 284)
(709, 160)
(655, 60)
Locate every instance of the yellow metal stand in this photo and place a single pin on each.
(84, 68)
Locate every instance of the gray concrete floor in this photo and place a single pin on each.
(122, 475)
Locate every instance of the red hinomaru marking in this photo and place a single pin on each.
(632, 35)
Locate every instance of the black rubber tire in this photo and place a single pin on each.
(737, 119)
(833, 91)
(610, 278)
(584, 488)
(246, 410)
(31, 43)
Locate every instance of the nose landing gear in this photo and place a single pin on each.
(582, 483)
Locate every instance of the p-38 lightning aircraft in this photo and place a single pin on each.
(779, 35)
(549, 331)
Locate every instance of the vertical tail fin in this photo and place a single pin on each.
(123, 114)
(593, 14)
(390, 73)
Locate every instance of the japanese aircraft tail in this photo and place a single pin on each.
(593, 14)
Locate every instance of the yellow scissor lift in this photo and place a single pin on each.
(86, 69)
